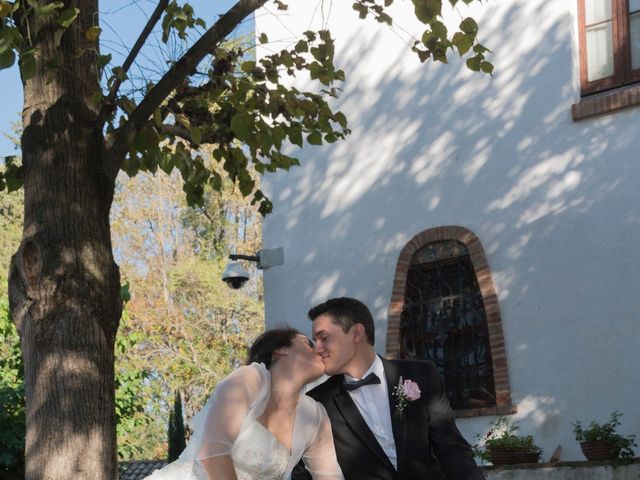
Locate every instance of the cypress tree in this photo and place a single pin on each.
(176, 432)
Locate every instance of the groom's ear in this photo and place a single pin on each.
(358, 333)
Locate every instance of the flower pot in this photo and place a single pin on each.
(598, 450)
(512, 456)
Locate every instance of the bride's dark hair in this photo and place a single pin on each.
(262, 349)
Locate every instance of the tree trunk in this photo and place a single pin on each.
(64, 284)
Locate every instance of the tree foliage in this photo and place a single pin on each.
(176, 434)
(193, 329)
(12, 413)
(240, 102)
(12, 409)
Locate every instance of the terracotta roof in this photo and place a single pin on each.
(139, 469)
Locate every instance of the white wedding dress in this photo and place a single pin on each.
(228, 425)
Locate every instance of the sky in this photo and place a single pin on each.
(121, 22)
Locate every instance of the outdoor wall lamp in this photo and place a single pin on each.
(235, 275)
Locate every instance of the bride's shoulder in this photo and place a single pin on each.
(252, 375)
(312, 408)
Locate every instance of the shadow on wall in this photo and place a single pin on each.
(501, 151)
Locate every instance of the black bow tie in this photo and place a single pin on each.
(371, 379)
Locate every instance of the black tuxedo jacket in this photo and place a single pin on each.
(428, 444)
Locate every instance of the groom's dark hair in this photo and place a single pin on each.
(346, 312)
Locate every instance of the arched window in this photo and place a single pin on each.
(444, 309)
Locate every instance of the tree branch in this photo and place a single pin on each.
(110, 102)
(174, 77)
(185, 134)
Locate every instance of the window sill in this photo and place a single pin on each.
(486, 411)
(606, 102)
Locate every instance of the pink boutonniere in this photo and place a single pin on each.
(405, 392)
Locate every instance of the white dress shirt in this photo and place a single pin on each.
(373, 403)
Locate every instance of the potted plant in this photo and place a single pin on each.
(502, 445)
(601, 442)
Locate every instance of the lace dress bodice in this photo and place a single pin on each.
(258, 454)
(228, 425)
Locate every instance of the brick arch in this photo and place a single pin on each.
(489, 297)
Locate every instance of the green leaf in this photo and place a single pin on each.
(49, 8)
(295, 134)
(126, 104)
(66, 18)
(102, 61)
(479, 48)
(52, 67)
(263, 38)
(245, 182)
(12, 176)
(279, 134)
(384, 18)
(473, 63)
(9, 38)
(469, 26)
(486, 67)
(5, 8)
(301, 46)
(28, 63)
(439, 55)
(314, 138)
(166, 26)
(281, 5)
(341, 119)
(166, 163)
(57, 37)
(439, 29)
(96, 98)
(248, 67)
(120, 73)
(266, 207)
(462, 42)
(7, 59)
(196, 135)
(93, 33)
(330, 137)
(242, 126)
(215, 181)
(125, 295)
(361, 9)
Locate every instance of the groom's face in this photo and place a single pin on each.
(336, 347)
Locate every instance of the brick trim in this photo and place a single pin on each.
(606, 102)
(489, 297)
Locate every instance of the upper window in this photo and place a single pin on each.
(609, 44)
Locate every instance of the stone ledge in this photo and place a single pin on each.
(565, 471)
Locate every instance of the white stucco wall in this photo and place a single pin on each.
(554, 202)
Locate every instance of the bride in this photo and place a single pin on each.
(257, 425)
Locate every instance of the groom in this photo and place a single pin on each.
(372, 442)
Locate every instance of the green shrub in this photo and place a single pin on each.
(503, 434)
(621, 446)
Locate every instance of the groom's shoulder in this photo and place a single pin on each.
(326, 388)
(414, 367)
